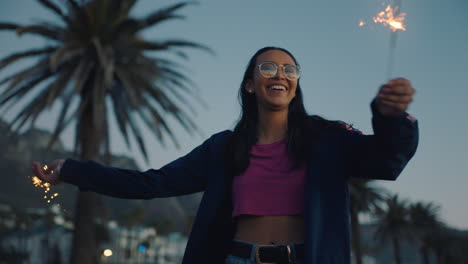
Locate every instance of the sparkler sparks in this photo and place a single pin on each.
(44, 185)
(38, 183)
(390, 17)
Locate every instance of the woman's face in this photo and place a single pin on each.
(267, 90)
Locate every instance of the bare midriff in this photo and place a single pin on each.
(270, 229)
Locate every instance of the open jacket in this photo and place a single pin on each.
(339, 155)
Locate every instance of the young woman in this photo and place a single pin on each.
(275, 188)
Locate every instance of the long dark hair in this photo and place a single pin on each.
(303, 130)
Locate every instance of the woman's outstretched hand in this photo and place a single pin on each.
(51, 174)
(394, 97)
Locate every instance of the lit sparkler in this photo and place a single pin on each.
(392, 18)
(44, 185)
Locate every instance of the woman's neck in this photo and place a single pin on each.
(272, 126)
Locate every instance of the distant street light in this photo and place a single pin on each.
(107, 253)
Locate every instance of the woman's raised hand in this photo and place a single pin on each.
(395, 96)
(51, 174)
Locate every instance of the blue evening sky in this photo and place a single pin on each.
(343, 65)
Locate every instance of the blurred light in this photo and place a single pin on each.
(107, 253)
(142, 248)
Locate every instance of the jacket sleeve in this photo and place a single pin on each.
(384, 154)
(188, 174)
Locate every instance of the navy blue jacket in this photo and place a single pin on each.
(339, 155)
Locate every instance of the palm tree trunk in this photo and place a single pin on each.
(356, 236)
(424, 254)
(439, 255)
(84, 238)
(396, 250)
(90, 134)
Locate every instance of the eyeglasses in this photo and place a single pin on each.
(269, 70)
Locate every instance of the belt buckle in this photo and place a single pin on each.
(289, 253)
(257, 254)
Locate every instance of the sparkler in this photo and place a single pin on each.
(46, 186)
(392, 18)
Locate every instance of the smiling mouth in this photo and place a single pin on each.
(277, 87)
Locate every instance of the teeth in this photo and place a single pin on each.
(278, 87)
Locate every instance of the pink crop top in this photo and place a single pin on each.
(269, 186)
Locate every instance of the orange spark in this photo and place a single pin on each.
(45, 185)
(36, 181)
(361, 23)
(388, 18)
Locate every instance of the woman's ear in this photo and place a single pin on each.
(249, 86)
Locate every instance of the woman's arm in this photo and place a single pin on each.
(384, 154)
(188, 174)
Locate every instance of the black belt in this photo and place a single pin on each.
(268, 253)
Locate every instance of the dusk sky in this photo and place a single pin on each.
(342, 68)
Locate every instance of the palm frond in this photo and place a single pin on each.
(161, 15)
(78, 15)
(82, 108)
(120, 17)
(188, 44)
(43, 100)
(8, 26)
(178, 81)
(63, 54)
(184, 120)
(168, 105)
(62, 121)
(46, 31)
(180, 97)
(20, 91)
(103, 12)
(128, 86)
(19, 77)
(167, 45)
(103, 60)
(158, 118)
(121, 108)
(151, 123)
(160, 95)
(75, 7)
(56, 9)
(82, 74)
(19, 55)
(138, 137)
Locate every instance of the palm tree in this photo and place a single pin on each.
(364, 198)
(95, 61)
(424, 221)
(393, 224)
(449, 245)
